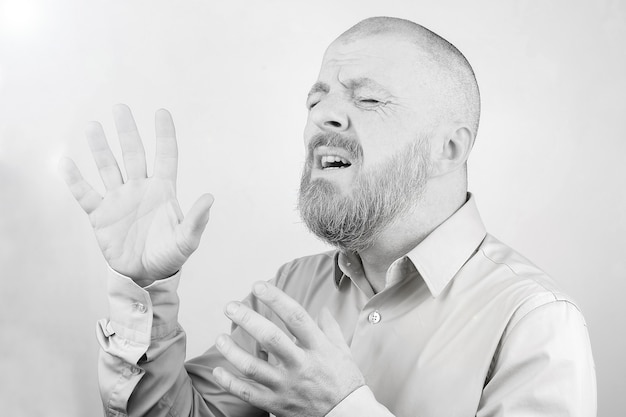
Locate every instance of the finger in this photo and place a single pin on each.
(249, 365)
(246, 390)
(273, 339)
(105, 161)
(330, 327)
(194, 223)
(86, 196)
(295, 317)
(166, 160)
(132, 147)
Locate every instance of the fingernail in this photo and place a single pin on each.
(259, 288)
(220, 341)
(231, 308)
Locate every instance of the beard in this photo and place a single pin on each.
(379, 196)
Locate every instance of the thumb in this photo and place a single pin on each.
(330, 327)
(196, 220)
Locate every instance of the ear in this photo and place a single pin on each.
(454, 149)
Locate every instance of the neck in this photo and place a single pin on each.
(406, 232)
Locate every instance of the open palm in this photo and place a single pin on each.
(138, 224)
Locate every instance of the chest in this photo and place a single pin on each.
(419, 355)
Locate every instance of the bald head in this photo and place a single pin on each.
(448, 71)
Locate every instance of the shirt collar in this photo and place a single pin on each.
(446, 249)
(443, 252)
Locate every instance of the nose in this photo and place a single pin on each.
(330, 115)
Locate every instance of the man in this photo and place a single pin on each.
(418, 313)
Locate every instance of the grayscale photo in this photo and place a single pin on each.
(359, 208)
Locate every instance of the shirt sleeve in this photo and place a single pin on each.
(543, 367)
(361, 402)
(142, 369)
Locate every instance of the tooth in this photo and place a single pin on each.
(327, 161)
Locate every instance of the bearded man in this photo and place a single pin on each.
(419, 312)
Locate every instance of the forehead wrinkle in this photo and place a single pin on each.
(356, 66)
(450, 72)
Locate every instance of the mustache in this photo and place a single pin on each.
(336, 140)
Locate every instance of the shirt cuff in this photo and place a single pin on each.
(142, 314)
(361, 402)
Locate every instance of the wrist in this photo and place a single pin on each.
(143, 277)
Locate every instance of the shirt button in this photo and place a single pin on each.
(374, 317)
(140, 307)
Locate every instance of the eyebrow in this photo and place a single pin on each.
(319, 87)
(356, 83)
(352, 84)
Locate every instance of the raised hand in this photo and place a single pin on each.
(313, 374)
(138, 223)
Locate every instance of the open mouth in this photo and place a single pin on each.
(332, 158)
(333, 162)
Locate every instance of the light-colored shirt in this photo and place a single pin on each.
(465, 326)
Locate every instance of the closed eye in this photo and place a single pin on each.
(313, 100)
(312, 104)
(369, 103)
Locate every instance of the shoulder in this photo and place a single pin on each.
(502, 264)
(543, 333)
(309, 264)
(306, 272)
(518, 283)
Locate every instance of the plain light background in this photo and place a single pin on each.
(547, 170)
